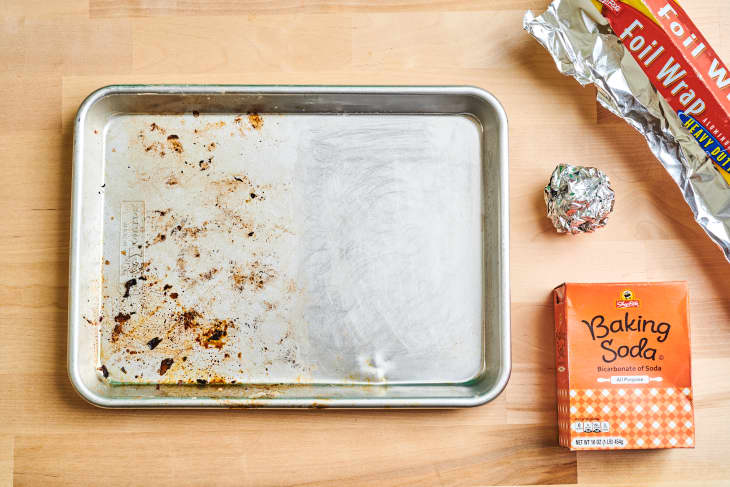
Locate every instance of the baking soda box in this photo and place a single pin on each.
(623, 366)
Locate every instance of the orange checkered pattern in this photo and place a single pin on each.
(629, 418)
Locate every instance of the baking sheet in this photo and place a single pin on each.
(269, 246)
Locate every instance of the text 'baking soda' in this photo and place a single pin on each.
(623, 366)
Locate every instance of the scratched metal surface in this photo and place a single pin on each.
(289, 248)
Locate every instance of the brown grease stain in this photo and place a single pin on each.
(165, 365)
(215, 335)
(207, 276)
(255, 120)
(188, 319)
(173, 141)
(184, 329)
(254, 276)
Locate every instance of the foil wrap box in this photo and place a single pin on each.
(653, 68)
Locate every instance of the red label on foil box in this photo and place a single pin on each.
(683, 68)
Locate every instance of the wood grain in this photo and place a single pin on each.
(7, 450)
(57, 52)
(240, 44)
(320, 454)
(150, 8)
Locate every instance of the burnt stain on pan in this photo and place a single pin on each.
(165, 365)
(180, 267)
(214, 335)
(173, 141)
(255, 120)
(205, 164)
(161, 237)
(188, 318)
(120, 320)
(238, 123)
(155, 147)
(253, 275)
(184, 332)
(116, 332)
(207, 276)
(209, 126)
(128, 285)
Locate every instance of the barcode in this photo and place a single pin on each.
(603, 441)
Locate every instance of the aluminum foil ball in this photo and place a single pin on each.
(579, 199)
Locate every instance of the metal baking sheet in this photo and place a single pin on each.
(256, 246)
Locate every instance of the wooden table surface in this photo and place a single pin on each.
(55, 52)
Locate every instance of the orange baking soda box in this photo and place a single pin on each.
(623, 366)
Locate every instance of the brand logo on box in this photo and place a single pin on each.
(628, 300)
(612, 4)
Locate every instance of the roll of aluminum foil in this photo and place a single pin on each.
(583, 45)
(579, 199)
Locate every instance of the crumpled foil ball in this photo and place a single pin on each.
(579, 199)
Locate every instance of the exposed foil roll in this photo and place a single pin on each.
(583, 45)
(579, 199)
